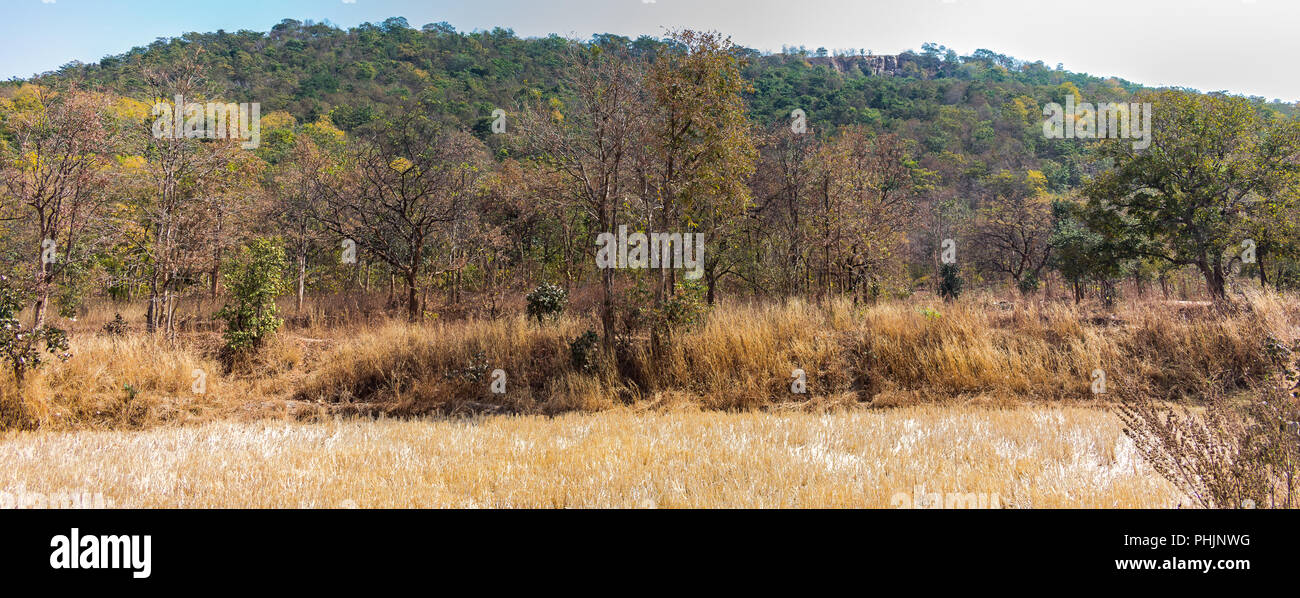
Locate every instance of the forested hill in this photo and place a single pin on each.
(969, 116)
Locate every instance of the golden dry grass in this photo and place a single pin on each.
(1031, 457)
(741, 358)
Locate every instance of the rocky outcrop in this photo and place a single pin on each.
(880, 66)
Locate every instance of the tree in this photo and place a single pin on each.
(782, 186)
(1012, 232)
(55, 168)
(701, 150)
(867, 191)
(592, 141)
(181, 192)
(1079, 253)
(1216, 162)
(403, 182)
(950, 282)
(255, 279)
(295, 200)
(20, 348)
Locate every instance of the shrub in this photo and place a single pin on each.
(117, 327)
(547, 301)
(582, 351)
(1029, 284)
(255, 278)
(1231, 456)
(1227, 457)
(685, 307)
(21, 348)
(950, 282)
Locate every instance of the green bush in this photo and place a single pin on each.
(685, 307)
(547, 301)
(1029, 284)
(21, 348)
(255, 278)
(582, 351)
(950, 282)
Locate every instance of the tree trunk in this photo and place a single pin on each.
(1213, 272)
(412, 299)
(42, 290)
(1263, 274)
(302, 277)
(607, 309)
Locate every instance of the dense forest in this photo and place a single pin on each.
(467, 169)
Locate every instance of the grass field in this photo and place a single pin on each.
(1028, 457)
(741, 358)
(969, 399)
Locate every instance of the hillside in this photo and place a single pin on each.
(971, 116)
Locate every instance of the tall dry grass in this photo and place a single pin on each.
(740, 357)
(743, 357)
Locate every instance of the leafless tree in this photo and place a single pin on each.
(56, 172)
(593, 141)
(401, 185)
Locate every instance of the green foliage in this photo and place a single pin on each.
(964, 118)
(20, 348)
(582, 351)
(1030, 283)
(547, 301)
(1081, 254)
(1217, 164)
(931, 314)
(950, 282)
(116, 327)
(255, 278)
(684, 308)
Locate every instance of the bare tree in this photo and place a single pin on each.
(186, 179)
(294, 204)
(782, 189)
(401, 185)
(593, 141)
(866, 201)
(1011, 232)
(56, 171)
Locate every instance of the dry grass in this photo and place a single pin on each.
(888, 355)
(740, 358)
(1031, 457)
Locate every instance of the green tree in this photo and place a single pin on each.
(1216, 163)
(702, 148)
(950, 282)
(255, 278)
(1080, 254)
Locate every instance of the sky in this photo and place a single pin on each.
(1247, 47)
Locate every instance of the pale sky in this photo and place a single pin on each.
(1243, 46)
